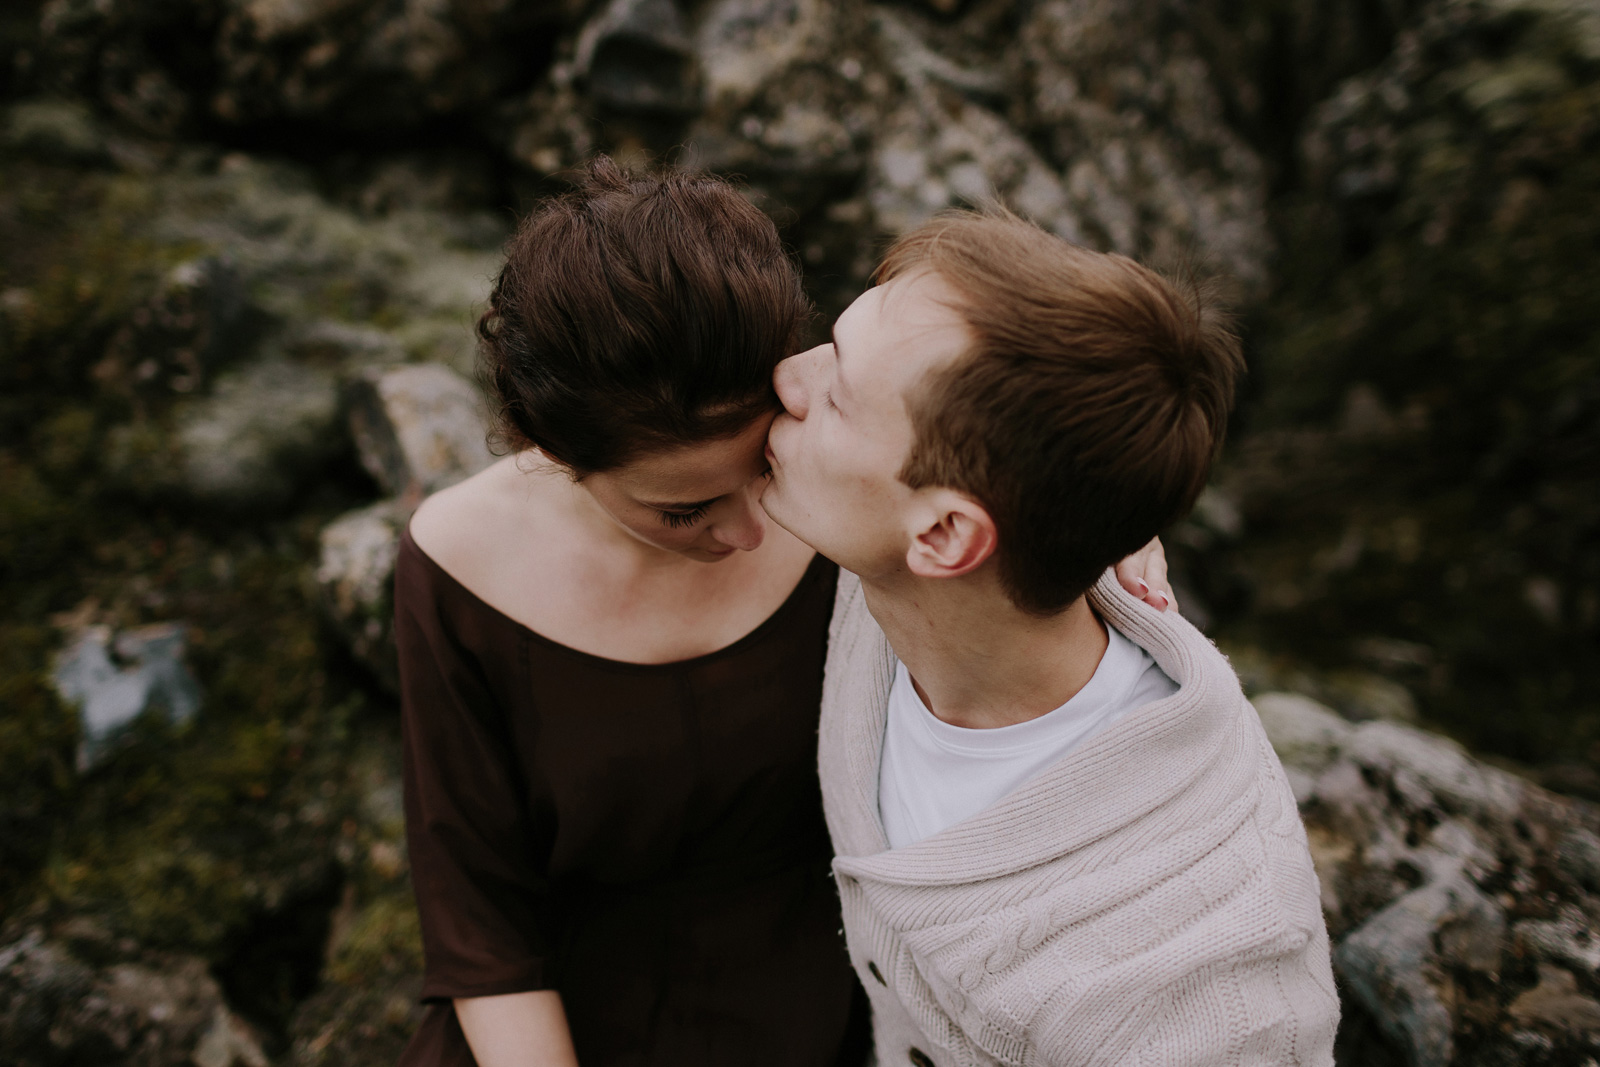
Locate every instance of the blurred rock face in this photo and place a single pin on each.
(881, 113)
(177, 67)
(1422, 470)
(1135, 125)
(881, 116)
(155, 1010)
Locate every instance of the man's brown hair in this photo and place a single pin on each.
(1089, 409)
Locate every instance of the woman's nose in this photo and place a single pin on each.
(744, 526)
(793, 379)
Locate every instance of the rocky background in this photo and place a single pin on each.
(241, 244)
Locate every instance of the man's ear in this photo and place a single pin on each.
(957, 540)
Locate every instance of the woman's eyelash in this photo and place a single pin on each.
(685, 518)
(827, 398)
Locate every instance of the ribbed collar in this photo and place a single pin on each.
(1114, 778)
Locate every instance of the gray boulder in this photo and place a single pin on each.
(355, 572)
(1457, 894)
(1395, 962)
(259, 436)
(1098, 120)
(1308, 737)
(418, 428)
(55, 128)
(1567, 939)
(110, 697)
(939, 149)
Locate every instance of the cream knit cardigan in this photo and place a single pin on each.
(1147, 900)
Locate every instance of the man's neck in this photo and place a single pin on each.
(976, 660)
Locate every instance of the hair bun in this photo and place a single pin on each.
(643, 310)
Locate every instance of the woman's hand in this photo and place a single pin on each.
(1144, 574)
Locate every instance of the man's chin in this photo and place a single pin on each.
(803, 525)
(800, 529)
(772, 502)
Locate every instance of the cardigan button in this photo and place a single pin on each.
(872, 968)
(919, 1058)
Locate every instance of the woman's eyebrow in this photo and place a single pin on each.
(680, 506)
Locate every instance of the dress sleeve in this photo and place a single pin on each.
(480, 885)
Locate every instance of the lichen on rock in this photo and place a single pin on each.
(1443, 886)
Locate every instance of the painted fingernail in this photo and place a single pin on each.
(1144, 587)
(1166, 601)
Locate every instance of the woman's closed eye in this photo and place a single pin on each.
(678, 519)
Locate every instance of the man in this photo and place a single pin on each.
(1062, 836)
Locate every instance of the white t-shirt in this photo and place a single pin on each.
(934, 775)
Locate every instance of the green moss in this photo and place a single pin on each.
(186, 835)
(367, 1007)
(38, 525)
(74, 267)
(385, 938)
(37, 739)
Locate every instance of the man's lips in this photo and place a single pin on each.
(767, 451)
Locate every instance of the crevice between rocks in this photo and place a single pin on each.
(275, 962)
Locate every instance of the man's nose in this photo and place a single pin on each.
(743, 525)
(794, 379)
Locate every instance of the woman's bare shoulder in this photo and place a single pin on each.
(470, 528)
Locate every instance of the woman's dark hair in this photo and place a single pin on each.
(638, 312)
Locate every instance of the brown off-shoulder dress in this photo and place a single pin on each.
(646, 839)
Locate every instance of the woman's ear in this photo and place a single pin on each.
(957, 540)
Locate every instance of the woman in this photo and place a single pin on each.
(611, 798)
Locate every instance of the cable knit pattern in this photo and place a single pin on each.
(1148, 900)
